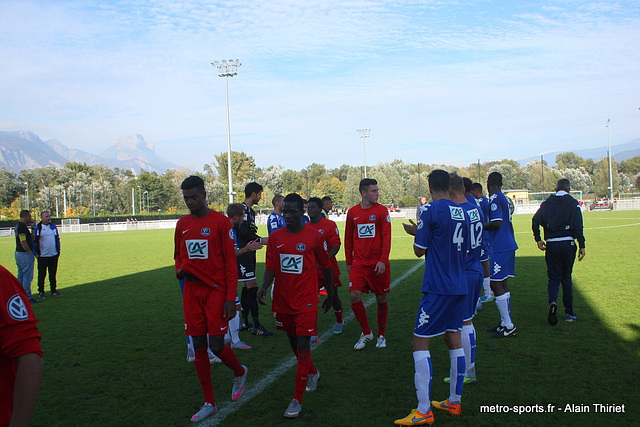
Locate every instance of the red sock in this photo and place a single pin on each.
(229, 358)
(338, 314)
(361, 316)
(302, 373)
(203, 370)
(383, 311)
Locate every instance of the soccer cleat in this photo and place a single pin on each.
(314, 339)
(293, 410)
(41, 295)
(486, 298)
(207, 410)
(479, 305)
(337, 329)
(415, 418)
(382, 342)
(466, 380)
(495, 328)
(453, 409)
(570, 317)
(238, 384)
(56, 294)
(312, 381)
(553, 313)
(246, 327)
(212, 357)
(260, 330)
(364, 339)
(241, 345)
(504, 332)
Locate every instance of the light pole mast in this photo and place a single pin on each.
(364, 134)
(228, 69)
(610, 168)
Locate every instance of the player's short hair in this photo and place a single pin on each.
(277, 198)
(44, 211)
(439, 180)
(252, 187)
(315, 200)
(456, 183)
(24, 213)
(563, 184)
(494, 179)
(476, 186)
(193, 181)
(235, 209)
(365, 183)
(294, 198)
(326, 199)
(467, 184)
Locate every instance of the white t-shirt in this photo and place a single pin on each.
(47, 242)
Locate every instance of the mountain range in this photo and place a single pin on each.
(21, 150)
(25, 150)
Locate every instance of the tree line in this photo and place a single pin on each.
(98, 190)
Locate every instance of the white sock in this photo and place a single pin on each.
(503, 302)
(456, 375)
(422, 380)
(468, 337)
(234, 327)
(486, 284)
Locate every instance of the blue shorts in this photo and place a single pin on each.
(474, 281)
(438, 314)
(503, 265)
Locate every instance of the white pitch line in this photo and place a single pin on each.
(288, 362)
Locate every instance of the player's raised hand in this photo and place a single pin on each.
(410, 228)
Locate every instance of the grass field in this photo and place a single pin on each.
(115, 349)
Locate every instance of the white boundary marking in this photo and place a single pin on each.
(286, 363)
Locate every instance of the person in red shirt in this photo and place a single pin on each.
(367, 243)
(293, 254)
(329, 231)
(21, 363)
(205, 257)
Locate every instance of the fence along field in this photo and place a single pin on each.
(115, 354)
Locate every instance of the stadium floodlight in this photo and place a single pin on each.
(364, 134)
(228, 69)
(610, 168)
(27, 193)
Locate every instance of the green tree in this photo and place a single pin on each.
(569, 160)
(601, 178)
(8, 187)
(630, 166)
(292, 182)
(243, 169)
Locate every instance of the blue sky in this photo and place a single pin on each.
(437, 82)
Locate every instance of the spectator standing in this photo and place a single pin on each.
(47, 248)
(24, 253)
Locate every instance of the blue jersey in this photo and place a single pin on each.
(443, 231)
(474, 247)
(305, 219)
(275, 222)
(502, 239)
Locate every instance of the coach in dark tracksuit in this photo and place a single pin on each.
(561, 218)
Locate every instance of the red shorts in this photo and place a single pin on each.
(364, 278)
(203, 307)
(303, 324)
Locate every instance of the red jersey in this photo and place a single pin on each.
(331, 236)
(293, 258)
(367, 237)
(18, 336)
(204, 249)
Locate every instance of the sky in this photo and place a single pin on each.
(436, 81)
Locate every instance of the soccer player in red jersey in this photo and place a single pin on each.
(329, 231)
(205, 257)
(367, 244)
(293, 254)
(21, 363)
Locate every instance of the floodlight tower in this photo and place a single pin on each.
(228, 69)
(364, 134)
(610, 168)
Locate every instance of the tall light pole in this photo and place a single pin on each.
(140, 207)
(364, 134)
(27, 191)
(228, 69)
(610, 168)
(146, 193)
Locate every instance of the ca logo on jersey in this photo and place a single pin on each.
(366, 231)
(474, 215)
(17, 309)
(457, 214)
(205, 231)
(291, 263)
(198, 249)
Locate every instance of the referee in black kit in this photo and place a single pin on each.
(561, 218)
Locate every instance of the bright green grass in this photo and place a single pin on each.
(115, 350)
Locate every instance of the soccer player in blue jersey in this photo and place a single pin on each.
(442, 235)
(275, 220)
(502, 252)
(483, 202)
